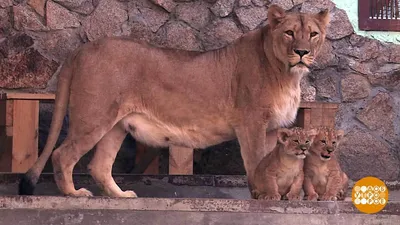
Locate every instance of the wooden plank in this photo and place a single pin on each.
(5, 150)
(28, 96)
(304, 118)
(25, 135)
(6, 110)
(180, 161)
(311, 105)
(146, 160)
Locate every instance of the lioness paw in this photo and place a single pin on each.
(272, 197)
(129, 194)
(82, 192)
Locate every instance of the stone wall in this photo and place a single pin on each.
(360, 73)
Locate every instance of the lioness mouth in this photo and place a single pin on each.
(300, 63)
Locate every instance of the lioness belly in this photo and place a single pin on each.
(154, 132)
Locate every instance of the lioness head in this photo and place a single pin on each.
(326, 142)
(296, 141)
(297, 37)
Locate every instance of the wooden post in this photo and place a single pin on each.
(147, 160)
(180, 161)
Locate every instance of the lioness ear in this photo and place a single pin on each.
(283, 135)
(339, 134)
(324, 17)
(275, 15)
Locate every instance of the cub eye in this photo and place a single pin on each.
(307, 141)
(323, 141)
(334, 142)
(289, 32)
(313, 34)
(297, 141)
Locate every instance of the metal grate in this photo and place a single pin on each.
(383, 15)
(384, 9)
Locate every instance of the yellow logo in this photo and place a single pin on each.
(370, 195)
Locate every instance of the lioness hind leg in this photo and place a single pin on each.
(68, 154)
(101, 165)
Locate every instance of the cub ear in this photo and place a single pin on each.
(339, 134)
(312, 133)
(275, 15)
(283, 135)
(324, 17)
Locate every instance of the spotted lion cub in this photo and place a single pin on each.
(323, 178)
(279, 174)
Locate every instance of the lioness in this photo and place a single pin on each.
(166, 97)
(323, 177)
(280, 173)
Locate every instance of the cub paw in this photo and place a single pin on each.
(328, 197)
(293, 196)
(312, 197)
(271, 197)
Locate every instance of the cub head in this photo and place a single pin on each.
(296, 141)
(297, 37)
(326, 142)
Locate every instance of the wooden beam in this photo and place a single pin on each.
(180, 161)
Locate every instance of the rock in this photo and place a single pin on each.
(223, 8)
(59, 44)
(388, 76)
(259, 2)
(298, 2)
(251, 17)
(5, 23)
(363, 48)
(285, 4)
(394, 56)
(168, 5)
(25, 19)
(178, 35)
(379, 115)
(308, 92)
(27, 69)
(365, 68)
(361, 154)
(244, 2)
(326, 82)
(5, 3)
(196, 14)
(38, 6)
(220, 33)
(326, 56)
(314, 6)
(339, 26)
(15, 44)
(59, 17)
(105, 20)
(355, 87)
(85, 7)
(151, 17)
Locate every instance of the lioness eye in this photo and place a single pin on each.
(289, 32)
(323, 141)
(313, 34)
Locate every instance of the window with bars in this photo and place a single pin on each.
(379, 15)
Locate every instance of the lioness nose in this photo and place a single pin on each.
(301, 53)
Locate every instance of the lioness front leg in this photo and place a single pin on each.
(252, 141)
(101, 165)
(295, 188)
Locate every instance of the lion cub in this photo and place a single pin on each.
(279, 174)
(323, 178)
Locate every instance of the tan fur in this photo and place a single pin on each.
(165, 97)
(280, 173)
(324, 179)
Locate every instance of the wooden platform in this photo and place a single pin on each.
(19, 118)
